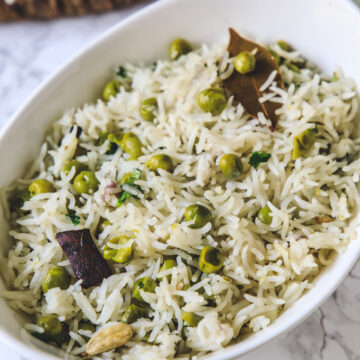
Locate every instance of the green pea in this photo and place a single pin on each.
(51, 325)
(303, 142)
(40, 186)
(118, 255)
(298, 151)
(146, 284)
(191, 319)
(212, 100)
(148, 109)
(264, 215)
(56, 277)
(132, 313)
(168, 264)
(114, 142)
(245, 62)
(199, 214)
(276, 56)
(284, 45)
(131, 144)
(210, 260)
(54, 330)
(76, 164)
(179, 47)
(160, 161)
(307, 138)
(231, 166)
(87, 326)
(86, 183)
(111, 89)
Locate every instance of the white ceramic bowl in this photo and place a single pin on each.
(325, 31)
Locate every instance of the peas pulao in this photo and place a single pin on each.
(164, 221)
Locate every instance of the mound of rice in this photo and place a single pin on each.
(267, 267)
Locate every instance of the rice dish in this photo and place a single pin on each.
(310, 202)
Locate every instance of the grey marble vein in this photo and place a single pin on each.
(30, 52)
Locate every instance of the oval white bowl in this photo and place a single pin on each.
(325, 31)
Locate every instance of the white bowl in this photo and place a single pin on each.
(325, 31)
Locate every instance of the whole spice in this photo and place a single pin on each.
(246, 87)
(85, 259)
(109, 338)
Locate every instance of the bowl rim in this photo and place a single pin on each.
(230, 352)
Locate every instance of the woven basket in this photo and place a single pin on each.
(15, 10)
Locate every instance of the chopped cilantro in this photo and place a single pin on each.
(74, 218)
(135, 175)
(121, 72)
(124, 196)
(256, 158)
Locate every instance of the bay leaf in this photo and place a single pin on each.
(246, 87)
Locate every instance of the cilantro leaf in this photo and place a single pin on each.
(121, 72)
(256, 158)
(74, 218)
(135, 175)
(124, 196)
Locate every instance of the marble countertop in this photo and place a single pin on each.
(30, 51)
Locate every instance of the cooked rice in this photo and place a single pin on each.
(267, 267)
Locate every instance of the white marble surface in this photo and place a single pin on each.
(29, 52)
